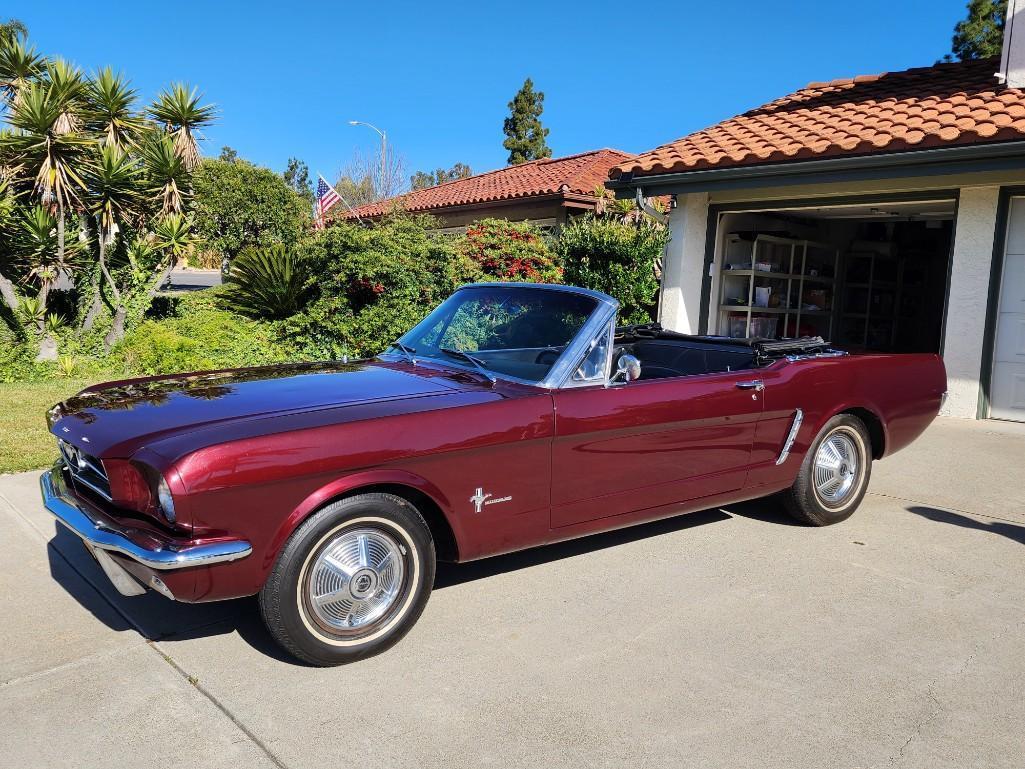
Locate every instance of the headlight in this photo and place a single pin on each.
(165, 499)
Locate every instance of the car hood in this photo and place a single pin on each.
(117, 418)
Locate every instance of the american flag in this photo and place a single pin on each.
(326, 197)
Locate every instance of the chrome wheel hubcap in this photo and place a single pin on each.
(355, 579)
(836, 468)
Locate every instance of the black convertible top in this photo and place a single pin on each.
(764, 350)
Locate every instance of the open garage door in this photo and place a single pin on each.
(866, 276)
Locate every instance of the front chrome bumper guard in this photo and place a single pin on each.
(103, 538)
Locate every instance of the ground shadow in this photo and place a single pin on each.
(767, 510)
(160, 619)
(450, 574)
(1012, 531)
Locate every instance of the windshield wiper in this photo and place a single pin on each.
(407, 351)
(467, 357)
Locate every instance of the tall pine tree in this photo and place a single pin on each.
(981, 34)
(525, 136)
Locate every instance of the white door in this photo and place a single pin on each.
(1007, 393)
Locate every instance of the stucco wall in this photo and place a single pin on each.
(684, 264)
(971, 261)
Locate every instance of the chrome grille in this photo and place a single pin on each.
(85, 469)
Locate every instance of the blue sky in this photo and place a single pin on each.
(286, 76)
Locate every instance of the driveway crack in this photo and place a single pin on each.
(189, 678)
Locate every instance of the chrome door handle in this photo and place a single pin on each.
(752, 384)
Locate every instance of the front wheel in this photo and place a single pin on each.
(351, 581)
(834, 474)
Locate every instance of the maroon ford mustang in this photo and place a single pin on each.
(513, 416)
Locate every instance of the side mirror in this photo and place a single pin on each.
(628, 368)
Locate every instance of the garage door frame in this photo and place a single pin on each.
(996, 276)
(716, 210)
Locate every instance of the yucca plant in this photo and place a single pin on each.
(114, 187)
(69, 88)
(31, 312)
(53, 323)
(36, 246)
(172, 241)
(166, 178)
(19, 64)
(182, 116)
(270, 283)
(111, 110)
(66, 365)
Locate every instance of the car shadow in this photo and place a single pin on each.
(450, 574)
(159, 619)
(1012, 531)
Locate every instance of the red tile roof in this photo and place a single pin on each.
(939, 106)
(571, 175)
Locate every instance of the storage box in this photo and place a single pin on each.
(738, 325)
(764, 327)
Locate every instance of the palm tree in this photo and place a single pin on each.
(179, 111)
(110, 112)
(114, 197)
(19, 64)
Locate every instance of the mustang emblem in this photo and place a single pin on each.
(480, 499)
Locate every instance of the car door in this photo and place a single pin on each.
(648, 443)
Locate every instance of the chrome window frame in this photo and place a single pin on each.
(610, 335)
(561, 373)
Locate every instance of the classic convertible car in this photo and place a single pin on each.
(513, 415)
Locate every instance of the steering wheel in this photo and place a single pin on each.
(547, 357)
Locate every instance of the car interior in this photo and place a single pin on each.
(664, 354)
(668, 357)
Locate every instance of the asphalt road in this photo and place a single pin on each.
(728, 638)
(192, 280)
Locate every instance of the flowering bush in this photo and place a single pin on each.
(375, 283)
(510, 251)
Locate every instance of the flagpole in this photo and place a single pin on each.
(351, 209)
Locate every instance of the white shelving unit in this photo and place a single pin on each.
(776, 287)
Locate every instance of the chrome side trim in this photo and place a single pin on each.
(791, 437)
(102, 536)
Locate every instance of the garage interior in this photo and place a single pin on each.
(866, 277)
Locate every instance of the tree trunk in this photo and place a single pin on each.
(10, 296)
(60, 236)
(117, 330)
(43, 297)
(161, 277)
(47, 348)
(94, 309)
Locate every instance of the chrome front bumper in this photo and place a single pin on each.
(103, 537)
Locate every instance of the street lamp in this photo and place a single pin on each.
(384, 149)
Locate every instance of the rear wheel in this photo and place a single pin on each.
(834, 474)
(351, 581)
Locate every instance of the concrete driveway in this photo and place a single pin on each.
(728, 638)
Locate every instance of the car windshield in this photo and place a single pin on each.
(516, 331)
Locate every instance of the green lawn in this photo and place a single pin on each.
(25, 443)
